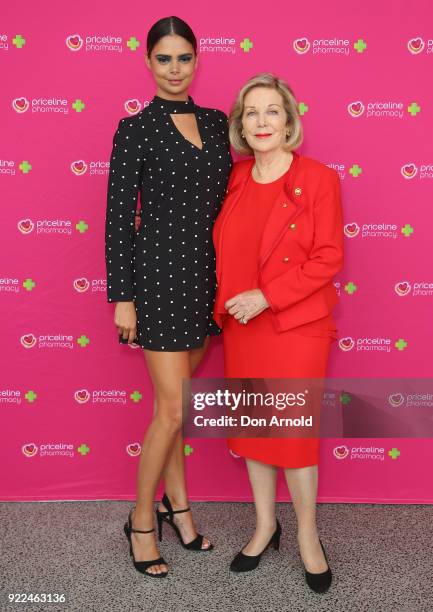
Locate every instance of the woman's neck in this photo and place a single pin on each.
(270, 165)
(180, 97)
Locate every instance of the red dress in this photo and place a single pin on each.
(254, 350)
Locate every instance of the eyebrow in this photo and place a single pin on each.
(166, 55)
(273, 104)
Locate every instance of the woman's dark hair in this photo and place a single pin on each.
(169, 26)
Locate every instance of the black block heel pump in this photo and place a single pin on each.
(319, 583)
(246, 563)
(167, 517)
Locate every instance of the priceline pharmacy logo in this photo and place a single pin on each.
(93, 168)
(53, 341)
(371, 344)
(47, 105)
(418, 45)
(225, 44)
(383, 109)
(133, 106)
(328, 46)
(97, 43)
(423, 171)
(411, 400)
(17, 41)
(419, 289)
(51, 226)
(95, 285)
(364, 453)
(53, 449)
(106, 396)
(133, 449)
(377, 230)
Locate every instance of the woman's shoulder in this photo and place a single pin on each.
(239, 170)
(127, 124)
(317, 169)
(241, 166)
(214, 113)
(133, 124)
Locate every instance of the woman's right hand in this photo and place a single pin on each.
(125, 319)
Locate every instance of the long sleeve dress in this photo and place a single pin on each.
(167, 268)
(258, 349)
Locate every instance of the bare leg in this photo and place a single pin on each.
(166, 370)
(174, 471)
(263, 478)
(302, 483)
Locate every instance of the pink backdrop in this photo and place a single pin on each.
(74, 402)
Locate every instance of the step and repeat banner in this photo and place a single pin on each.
(74, 402)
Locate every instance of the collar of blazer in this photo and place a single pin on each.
(286, 208)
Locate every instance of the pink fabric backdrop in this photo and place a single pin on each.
(74, 402)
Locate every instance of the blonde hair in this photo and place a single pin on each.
(265, 79)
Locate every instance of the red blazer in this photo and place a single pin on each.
(302, 243)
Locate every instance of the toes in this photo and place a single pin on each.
(205, 543)
(157, 569)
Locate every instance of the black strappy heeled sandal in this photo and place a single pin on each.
(168, 516)
(142, 566)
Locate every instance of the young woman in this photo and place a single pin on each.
(176, 155)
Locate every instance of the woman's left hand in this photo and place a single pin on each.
(247, 305)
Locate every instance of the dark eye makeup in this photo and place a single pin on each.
(164, 59)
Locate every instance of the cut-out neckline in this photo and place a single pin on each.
(184, 137)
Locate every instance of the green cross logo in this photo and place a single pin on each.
(413, 109)
(133, 43)
(355, 170)
(83, 341)
(25, 167)
(82, 227)
(246, 45)
(350, 287)
(302, 108)
(29, 284)
(401, 344)
(360, 45)
(136, 396)
(345, 398)
(19, 41)
(407, 230)
(83, 449)
(187, 450)
(78, 105)
(30, 396)
(394, 453)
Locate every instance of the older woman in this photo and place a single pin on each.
(279, 243)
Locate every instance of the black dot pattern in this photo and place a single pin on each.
(167, 268)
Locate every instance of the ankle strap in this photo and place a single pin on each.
(169, 507)
(140, 531)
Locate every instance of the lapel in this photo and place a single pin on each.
(286, 208)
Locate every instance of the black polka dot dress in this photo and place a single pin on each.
(167, 268)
